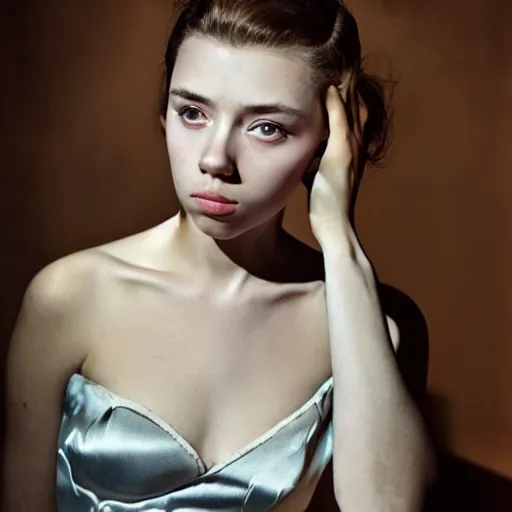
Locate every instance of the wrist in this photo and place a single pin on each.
(336, 238)
(344, 250)
(338, 251)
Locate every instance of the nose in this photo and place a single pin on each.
(217, 159)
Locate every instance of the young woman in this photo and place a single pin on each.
(213, 362)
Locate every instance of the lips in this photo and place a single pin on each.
(215, 205)
(215, 198)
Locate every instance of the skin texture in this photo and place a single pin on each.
(244, 156)
(229, 314)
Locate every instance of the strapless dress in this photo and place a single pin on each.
(114, 455)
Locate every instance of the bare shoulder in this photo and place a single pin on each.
(72, 280)
(49, 335)
(48, 345)
(63, 284)
(66, 289)
(62, 310)
(62, 297)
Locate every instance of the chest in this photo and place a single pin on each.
(221, 374)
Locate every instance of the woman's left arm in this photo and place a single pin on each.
(383, 460)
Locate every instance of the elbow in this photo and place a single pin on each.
(387, 487)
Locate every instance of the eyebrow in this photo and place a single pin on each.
(269, 108)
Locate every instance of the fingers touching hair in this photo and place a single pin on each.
(324, 32)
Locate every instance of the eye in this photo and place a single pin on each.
(191, 115)
(270, 130)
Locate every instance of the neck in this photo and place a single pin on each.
(229, 263)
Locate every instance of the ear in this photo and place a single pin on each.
(163, 122)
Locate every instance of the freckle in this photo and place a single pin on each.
(24, 405)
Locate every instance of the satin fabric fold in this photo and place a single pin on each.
(114, 455)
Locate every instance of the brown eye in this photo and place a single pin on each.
(268, 129)
(191, 114)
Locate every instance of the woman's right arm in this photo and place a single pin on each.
(46, 349)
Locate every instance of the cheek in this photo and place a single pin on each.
(180, 150)
(174, 139)
(278, 176)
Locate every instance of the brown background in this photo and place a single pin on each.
(83, 161)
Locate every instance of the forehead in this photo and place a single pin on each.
(243, 75)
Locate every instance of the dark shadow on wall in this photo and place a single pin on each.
(413, 352)
(466, 487)
(461, 485)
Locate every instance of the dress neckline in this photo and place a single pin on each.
(167, 427)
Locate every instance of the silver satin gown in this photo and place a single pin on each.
(115, 455)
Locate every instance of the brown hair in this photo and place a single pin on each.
(325, 33)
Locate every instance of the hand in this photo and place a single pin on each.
(332, 189)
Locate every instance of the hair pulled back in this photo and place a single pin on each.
(323, 31)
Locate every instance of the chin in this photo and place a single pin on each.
(221, 228)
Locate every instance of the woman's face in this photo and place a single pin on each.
(244, 124)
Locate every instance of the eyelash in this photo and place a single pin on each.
(182, 111)
(284, 133)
